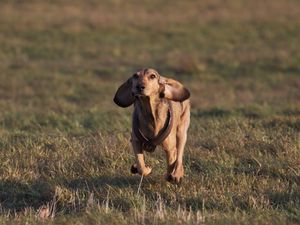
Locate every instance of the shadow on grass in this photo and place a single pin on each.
(103, 182)
(118, 190)
(284, 199)
(250, 167)
(16, 195)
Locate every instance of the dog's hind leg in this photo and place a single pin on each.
(181, 137)
(169, 146)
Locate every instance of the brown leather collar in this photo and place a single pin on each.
(150, 144)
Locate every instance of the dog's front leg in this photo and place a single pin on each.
(139, 166)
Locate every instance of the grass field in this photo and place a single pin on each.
(64, 145)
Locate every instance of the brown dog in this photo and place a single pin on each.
(161, 117)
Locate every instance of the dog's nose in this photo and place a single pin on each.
(140, 87)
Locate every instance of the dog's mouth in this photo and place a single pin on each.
(139, 94)
(141, 97)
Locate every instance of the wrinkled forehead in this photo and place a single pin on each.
(147, 71)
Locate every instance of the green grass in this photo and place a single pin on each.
(64, 144)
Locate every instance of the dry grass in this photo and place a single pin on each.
(64, 146)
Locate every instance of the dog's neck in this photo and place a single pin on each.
(152, 114)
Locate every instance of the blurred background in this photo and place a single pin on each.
(66, 58)
(61, 134)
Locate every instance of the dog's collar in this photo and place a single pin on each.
(150, 144)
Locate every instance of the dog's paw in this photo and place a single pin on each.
(176, 176)
(143, 171)
(173, 179)
(134, 169)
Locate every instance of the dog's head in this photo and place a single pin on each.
(148, 82)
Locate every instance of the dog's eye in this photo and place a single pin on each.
(135, 76)
(152, 76)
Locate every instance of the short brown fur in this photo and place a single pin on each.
(150, 92)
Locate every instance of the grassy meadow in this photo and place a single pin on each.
(65, 154)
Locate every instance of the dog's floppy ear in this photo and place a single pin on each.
(123, 96)
(173, 90)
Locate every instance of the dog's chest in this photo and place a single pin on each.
(151, 124)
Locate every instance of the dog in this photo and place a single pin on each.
(161, 116)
